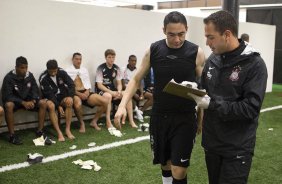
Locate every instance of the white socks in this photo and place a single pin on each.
(167, 180)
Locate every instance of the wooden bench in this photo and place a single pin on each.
(28, 119)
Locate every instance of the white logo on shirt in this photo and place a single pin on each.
(184, 160)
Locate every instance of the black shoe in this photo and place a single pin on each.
(14, 139)
(48, 141)
(35, 158)
(40, 133)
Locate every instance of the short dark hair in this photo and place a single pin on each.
(52, 64)
(175, 17)
(131, 57)
(223, 21)
(110, 52)
(21, 61)
(245, 37)
(76, 54)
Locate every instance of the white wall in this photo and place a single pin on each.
(41, 30)
(204, 12)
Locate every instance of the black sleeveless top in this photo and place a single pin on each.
(178, 64)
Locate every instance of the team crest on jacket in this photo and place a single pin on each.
(235, 73)
(28, 85)
(61, 81)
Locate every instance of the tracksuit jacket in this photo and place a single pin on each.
(64, 87)
(15, 89)
(236, 83)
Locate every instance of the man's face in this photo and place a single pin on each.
(217, 42)
(76, 61)
(21, 70)
(132, 62)
(175, 34)
(53, 72)
(110, 59)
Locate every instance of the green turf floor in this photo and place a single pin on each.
(132, 164)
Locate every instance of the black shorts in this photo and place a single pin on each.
(84, 102)
(115, 102)
(223, 170)
(59, 98)
(20, 106)
(172, 137)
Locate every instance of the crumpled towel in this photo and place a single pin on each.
(115, 132)
(188, 83)
(88, 164)
(41, 141)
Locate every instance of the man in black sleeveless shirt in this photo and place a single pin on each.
(173, 123)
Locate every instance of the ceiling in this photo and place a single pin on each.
(154, 3)
(114, 3)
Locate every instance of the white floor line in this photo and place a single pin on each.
(76, 152)
(94, 149)
(271, 108)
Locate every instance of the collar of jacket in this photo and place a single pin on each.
(232, 58)
(14, 74)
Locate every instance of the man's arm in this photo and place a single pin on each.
(200, 63)
(47, 90)
(34, 89)
(68, 80)
(7, 92)
(103, 88)
(118, 82)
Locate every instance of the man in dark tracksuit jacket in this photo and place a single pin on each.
(19, 90)
(235, 79)
(59, 89)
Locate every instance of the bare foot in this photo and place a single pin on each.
(95, 125)
(69, 134)
(123, 122)
(109, 124)
(133, 125)
(82, 128)
(61, 138)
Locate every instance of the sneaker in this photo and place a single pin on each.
(14, 139)
(138, 116)
(137, 110)
(40, 133)
(34, 158)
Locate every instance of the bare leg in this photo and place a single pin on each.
(108, 96)
(79, 113)
(149, 101)
(178, 172)
(68, 116)
(54, 120)
(1, 114)
(9, 116)
(41, 113)
(129, 109)
(100, 101)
